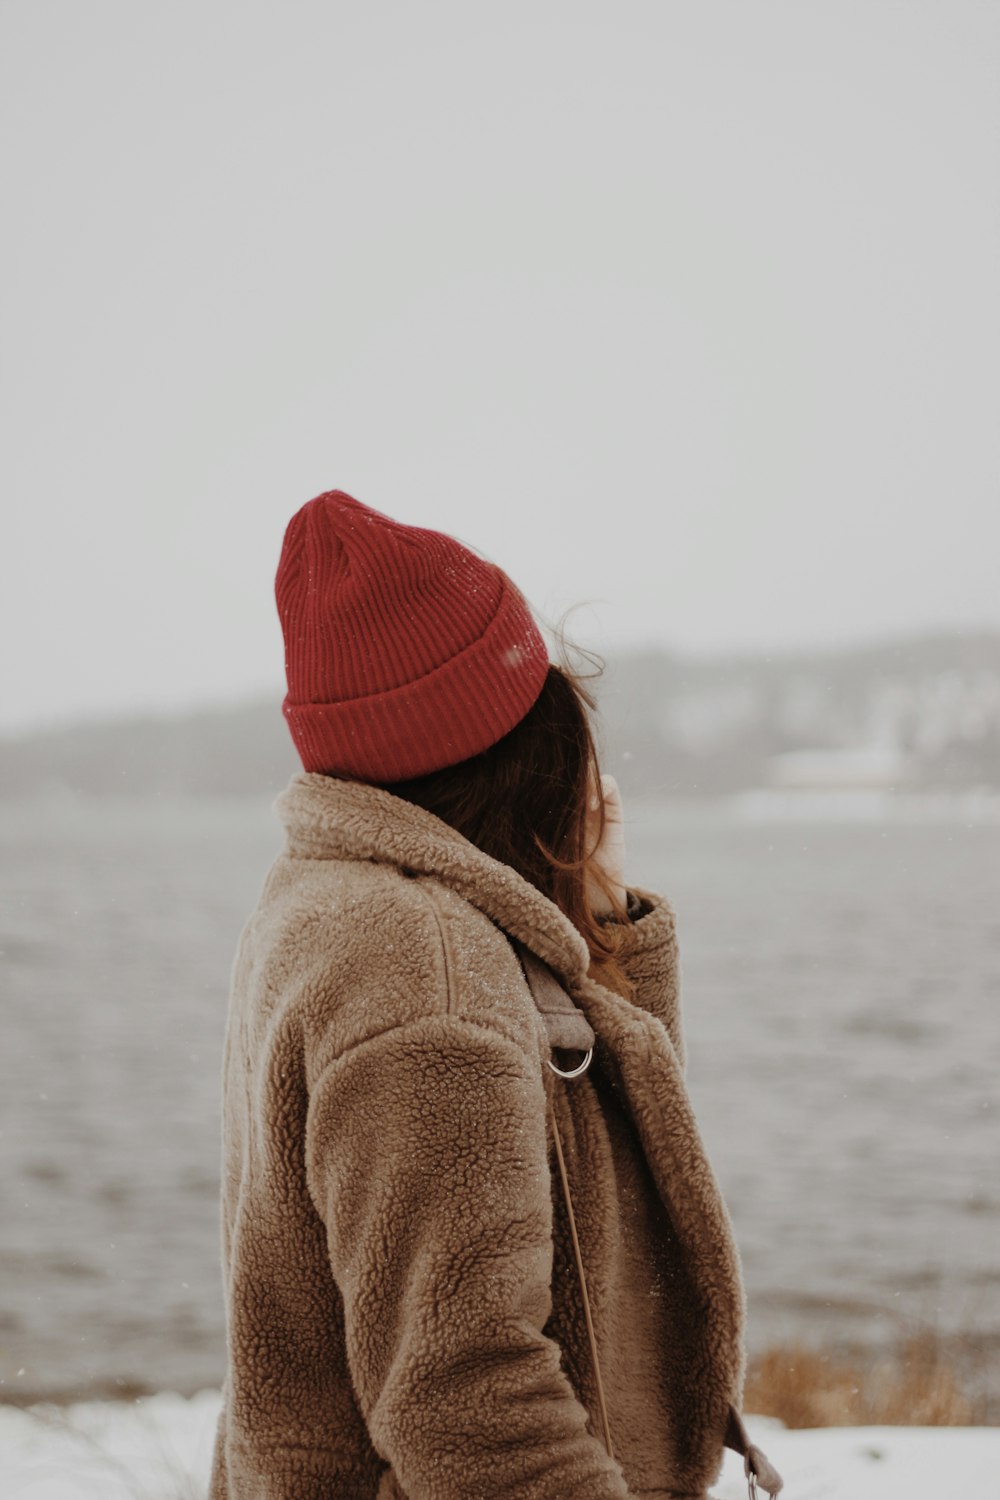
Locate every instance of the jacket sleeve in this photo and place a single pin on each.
(427, 1158)
(651, 960)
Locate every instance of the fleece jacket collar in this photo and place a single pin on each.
(328, 817)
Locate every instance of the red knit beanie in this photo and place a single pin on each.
(404, 651)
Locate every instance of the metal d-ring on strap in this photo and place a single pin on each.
(573, 1072)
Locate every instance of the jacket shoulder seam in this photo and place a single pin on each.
(487, 1032)
(446, 963)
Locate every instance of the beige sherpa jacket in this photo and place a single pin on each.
(404, 1314)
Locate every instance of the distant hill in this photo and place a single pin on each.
(927, 706)
(921, 711)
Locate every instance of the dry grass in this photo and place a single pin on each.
(920, 1384)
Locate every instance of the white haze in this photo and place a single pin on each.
(688, 311)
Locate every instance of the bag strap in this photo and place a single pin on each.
(579, 1262)
(567, 1027)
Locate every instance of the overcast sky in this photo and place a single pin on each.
(689, 312)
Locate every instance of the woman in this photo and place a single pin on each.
(447, 925)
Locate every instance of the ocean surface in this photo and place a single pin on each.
(841, 988)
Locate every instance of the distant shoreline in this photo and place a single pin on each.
(754, 805)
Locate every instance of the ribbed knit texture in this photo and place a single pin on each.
(404, 651)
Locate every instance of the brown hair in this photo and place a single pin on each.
(524, 801)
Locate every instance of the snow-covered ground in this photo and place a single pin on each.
(159, 1448)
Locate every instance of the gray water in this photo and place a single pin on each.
(841, 985)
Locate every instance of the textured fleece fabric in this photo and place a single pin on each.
(403, 1309)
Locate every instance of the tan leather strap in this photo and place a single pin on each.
(583, 1285)
(757, 1467)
